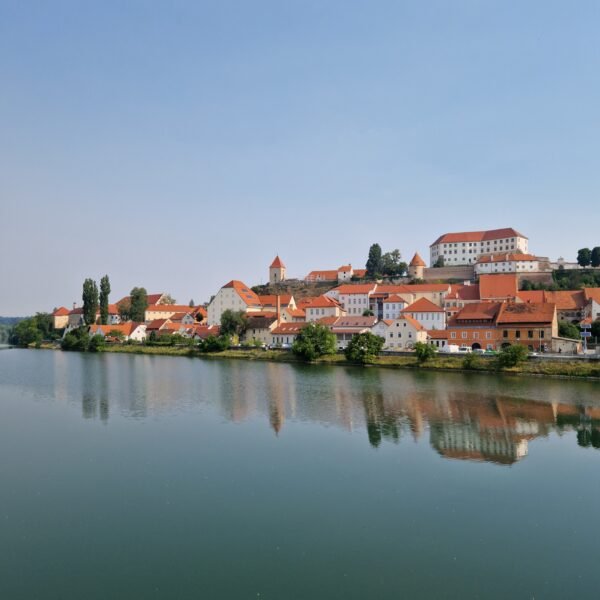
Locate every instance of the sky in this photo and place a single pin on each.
(179, 145)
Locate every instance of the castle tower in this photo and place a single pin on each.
(277, 271)
(416, 267)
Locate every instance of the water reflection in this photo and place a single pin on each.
(463, 417)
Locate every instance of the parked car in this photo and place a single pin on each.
(465, 350)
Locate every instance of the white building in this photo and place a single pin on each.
(466, 247)
(393, 306)
(236, 296)
(354, 299)
(507, 263)
(428, 314)
(323, 306)
(400, 334)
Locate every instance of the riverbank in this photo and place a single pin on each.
(541, 368)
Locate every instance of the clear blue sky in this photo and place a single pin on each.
(178, 145)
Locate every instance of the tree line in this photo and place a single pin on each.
(589, 258)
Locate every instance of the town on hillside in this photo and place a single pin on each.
(483, 291)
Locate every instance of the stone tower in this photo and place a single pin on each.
(416, 267)
(277, 271)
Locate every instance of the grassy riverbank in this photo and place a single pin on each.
(563, 368)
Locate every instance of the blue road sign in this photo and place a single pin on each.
(586, 334)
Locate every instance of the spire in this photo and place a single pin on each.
(417, 261)
(277, 263)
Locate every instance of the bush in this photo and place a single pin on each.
(77, 339)
(364, 348)
(471, 361)
(568, 330)
(512, 356)
(313, 341)
(96, 343)
(424, 351)
(214, 344)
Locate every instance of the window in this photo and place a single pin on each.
(453, 334)
(530, 334)
(488, 335)
(541, 334)
(518, 334)
(505, 334)
(463, 335)
(476, 335)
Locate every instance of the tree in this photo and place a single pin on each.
(90, 301)
(584, 257)
(596, 328)
(364, 348)
(104, 293)
(212, 343)
(139, 304)
(512, 356)
(368, 313)
(313, 341)
(568, 330)
(167, 299)
(44, 324)
(424, 351)
(191, 303)
(96, 343)
(124, 309)
(25, 332)
(77, 339)
(439, 263)
(392, 265)
(233, 322)
(374, 262)
(595, 257)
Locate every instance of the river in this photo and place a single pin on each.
(166, 477)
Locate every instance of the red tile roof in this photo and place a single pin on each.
(360, 273)
(501, 285)
(277, 263)
(417, 261)
(156, 324)
(437, 334)
(478, 236)
(172, 308)
(592, 294)
(359, 288)
(395, 298)
(61, 312)
(494, 258)
(345, 268)
(152, 299)
(244, 292)
(330, 275)
(412, 321)
(322, 302)
(423, 306)
(531, 296)
(514, 313)
(463, 292)
(564, 299)
(271, 300)
(289, 328)
(355, 321)
(478, 311)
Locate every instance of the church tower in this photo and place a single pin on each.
(277, 271)
(416, 267)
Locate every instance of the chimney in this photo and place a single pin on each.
(74, 305)
(278, 309)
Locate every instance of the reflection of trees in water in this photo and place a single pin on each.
(95, 382)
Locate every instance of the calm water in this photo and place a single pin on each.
(157, 477)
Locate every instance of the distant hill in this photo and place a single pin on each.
(10, 320)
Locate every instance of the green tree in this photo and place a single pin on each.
(124, 309)
(584, 257)
(167, 299)
(595, 257)
(364, 348)
(375, 261)
(26, 332)
(512, 356)
(424, 351)
(596, 328)
(212, 343)
(139, 304)
(392, 265)
(568, 330)
(90, 301)
(439, 263)
(191, 303)
(45, 325)
(471, 361)
(96, 343)
(313, 341)
(104, 293)
(76, 339)
(368, 313)
(233, 322)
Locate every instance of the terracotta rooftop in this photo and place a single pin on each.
(437, 334)
(519, 312)
(496, 258)
(277, 263)
(330, 275)
(395, 298)
(173, 308)
(358, 288)
(271, 300)
(463, 292)
(61, 312)
(412, 321)
(592, 294)
(421, 306)
(501, 285)
(478, 236)
(244, 292)
(322, 302)
(477, 311)
(289, 328)
(417, 261)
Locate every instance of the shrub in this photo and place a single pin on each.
(471, 361)
(424, 351)
(96, 343)
(77, 339)
(512, 356)
(214, 344)
(313, 341)
(364, 348)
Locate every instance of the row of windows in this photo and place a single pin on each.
(531, 334)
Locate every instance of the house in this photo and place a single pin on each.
(285, 334)
(60, 318)
(201, 332)
(401, 334)
(185, 318)
(293, 315)
(125, 331)
(438, 338)
(592, 298)
(150, 298)
(510, 263)
(166, 311)
(498, 288)
(277, 271)
(346, 327)
(322, 306)
(465, 248)
(354, 299)
(570, 304)
(459, 296)
(430, 315)
(260, 327)
(530, 324)
(236, 296)
(393, 306)
(474, 326)
(75, 317)
(416, 267)
(157, 326)
(342, 274)
(314, 276)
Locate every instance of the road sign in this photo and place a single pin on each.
(585, 325)
(586, 334)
